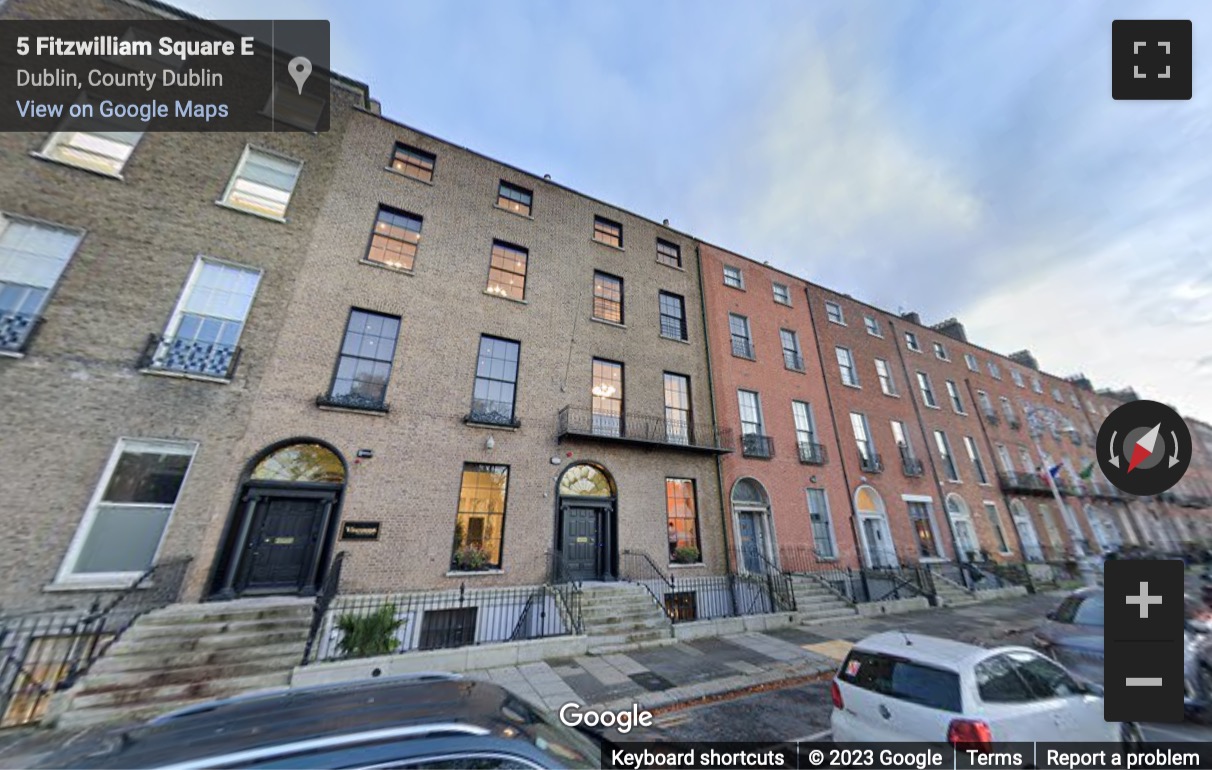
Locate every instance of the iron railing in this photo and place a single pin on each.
(742, 347)
(492, 413)
(328, 591)
(757, 445)
(912, 466)
(812, 453)
(1022, 482)
(17, 330)
(782, 595)
(641, 429)
(793, 361)
(567, 590)
(991, 417)
(685, 599)
(189, 356)
(871, 462)
(46, 651)
(353, 401)
(857, 585)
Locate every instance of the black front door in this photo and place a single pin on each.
(282, 541)
(582, 543)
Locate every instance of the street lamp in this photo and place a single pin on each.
(1039, 418)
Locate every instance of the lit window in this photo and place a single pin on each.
(495, 391)
(683, 521)
(413, 162)
(607, 232)
(364, 365)
(395, 238)
(480, 523)
(607, 392)
(507, 271)
(263, 183)
(608, 298)
(514, 198)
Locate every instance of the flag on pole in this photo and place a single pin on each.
(1088, 471)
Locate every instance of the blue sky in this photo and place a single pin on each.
(955, 158)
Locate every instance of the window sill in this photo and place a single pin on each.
(93, 171)
(784, 304)
(931, 406)
(11, 354)
(737, 288)
(836, 323)
(793, 369)
(382, 266)
(607, 245)
(474, 572)
(877, 336)
(854, 385)
(352, 410)
(391, 170)
(743, 358)
(185, 376)
(961, 414)
(499, 207)
(933, 560)
(86, 586)
(913, 350)
(675, 339)
(250, 212)
(492, 425)
(607, 323)
(953, 481)
(892, 395)
(944, 360)
(693, 565)
(507, 299)
(671, 267)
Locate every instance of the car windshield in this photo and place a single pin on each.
(903, 679)
(1081, 611)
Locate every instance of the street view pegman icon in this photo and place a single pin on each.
(1144, 448)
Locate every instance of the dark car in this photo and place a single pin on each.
(432, 721)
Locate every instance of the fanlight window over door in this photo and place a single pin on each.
(585, 481)
(301, 463)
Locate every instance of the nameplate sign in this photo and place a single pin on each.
(360, 530)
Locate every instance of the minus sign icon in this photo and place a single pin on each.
(1143, 681)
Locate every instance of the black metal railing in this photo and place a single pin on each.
(991, 417)
(485, 414)
(328, 592)
(892, 579)
(870, 462)
(705, 597)
(1023, 482)
(435, 620)
(641, 429)
(46, 651)
(188, 356)
(812, 453)
(639, 567)
(793, 361)
(912, 466)
(757, 445)
(567, 590)
(17, 330)
(353, 401)
(778, 583)
(742, 347)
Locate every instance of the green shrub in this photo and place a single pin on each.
(471, 558)
(363, 636)
(686, 554)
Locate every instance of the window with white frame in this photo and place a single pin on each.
(884, 373)
(912, 343)
(1058, 396)
(822, 526)
(734, 277)
(125, 522)
(1017, 376)
(986, 405)
(940, 352)
(33, 256)
(923, 383)
(845, 365)
(995, 371)
(970, 360)
(862, 436)
(263, 183)
(944, 453)
(782, 293)
(953, 393)
(1073, 400)
(873, 326)
(995, 520)
(974, 454)
(204, 332)
(105, 149)
(1037, 386)
(833, 312)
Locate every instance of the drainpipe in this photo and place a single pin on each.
(725, 514)
(993, 459)
(910, 387)
(837, 440)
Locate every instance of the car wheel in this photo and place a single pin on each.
(1131, 737)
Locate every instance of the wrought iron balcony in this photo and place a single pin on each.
(16, 330)
(991, 417)
(757, 445)
(1014, 423)
(812, 453)
(188, 356)
(627, 428)
(793, 361)
(353, 401)
(492, 413)
(1023, 482)
(911, 465)
(742, 347)
(871, 462)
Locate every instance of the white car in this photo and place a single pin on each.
(908, 687)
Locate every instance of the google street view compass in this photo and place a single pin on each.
(1144, 448)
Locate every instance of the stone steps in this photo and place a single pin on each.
(280, 653)
(623, 617)
(816, 603)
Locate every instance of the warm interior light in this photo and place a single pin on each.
(603, 390)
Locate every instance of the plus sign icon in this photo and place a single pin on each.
(1150, 59)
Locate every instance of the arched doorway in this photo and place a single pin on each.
(754, 532)
(878, 550)
(1026, 531)
(966, 544)
(284, 521)
(586, 526)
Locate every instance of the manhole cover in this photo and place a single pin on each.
(651, 682)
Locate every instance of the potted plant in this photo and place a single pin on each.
(686, 554)
(471, 558)
(364, 636)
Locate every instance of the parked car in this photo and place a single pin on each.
(1072, 635)
(432, 721)
(908, 687)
